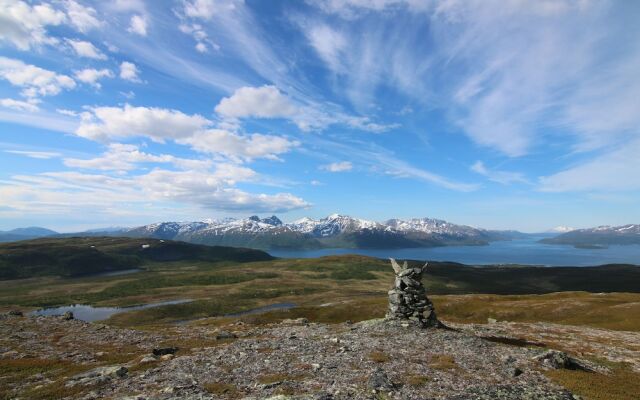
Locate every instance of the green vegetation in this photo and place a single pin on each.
(78, 256)
(319, 289)
(453, 278)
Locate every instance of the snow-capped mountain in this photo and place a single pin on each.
(333, 231)
(332, 225)
(432, 226)
(561, 229)
(600, 235)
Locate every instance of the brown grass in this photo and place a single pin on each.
(220, 388)
(379, 357)
(602, 310)
(416, 380)
(622, 384)
(443, 362)
(15, 372)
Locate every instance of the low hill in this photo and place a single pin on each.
(78, 256)
(31, 232)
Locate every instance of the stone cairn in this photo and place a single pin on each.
(408, 299)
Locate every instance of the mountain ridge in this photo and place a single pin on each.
(603, 235)
(335, 230)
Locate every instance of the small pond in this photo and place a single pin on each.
(91, 313)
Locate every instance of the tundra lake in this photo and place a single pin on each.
(519, 251)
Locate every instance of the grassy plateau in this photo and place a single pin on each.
(221, 281)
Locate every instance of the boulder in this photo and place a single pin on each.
(164, 350)
(222, 335)
(379, 381)
(554, 359)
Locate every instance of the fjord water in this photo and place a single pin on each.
(520, 251)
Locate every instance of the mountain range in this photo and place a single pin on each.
(599, 236)
(337, 231)
(333, 231)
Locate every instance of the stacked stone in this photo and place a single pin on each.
(408, 299)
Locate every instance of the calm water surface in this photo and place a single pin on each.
(520, 251)
(90, 313)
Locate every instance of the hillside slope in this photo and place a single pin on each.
(89, 255)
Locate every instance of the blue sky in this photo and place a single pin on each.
(499, 114)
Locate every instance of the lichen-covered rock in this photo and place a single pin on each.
(379, 381)
(554, 359)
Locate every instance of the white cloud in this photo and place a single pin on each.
(138, 25)
(92, 76)
(36, 81)
(268, 102)
(157, 124)
(203, 43)
(616, 170)
(262, 102)
(239, 147)
(129, 72)
(503, 177)
(25, 26)
(81, 17)
(337, 166)
(128, 5)
(207, 9)
(125, 157)
(30, 105)
(42, 155)
(129, 95)
(86, 49)
(329, 44)
(354, 8)
(62, 193)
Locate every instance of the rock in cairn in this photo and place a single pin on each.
(408, 299)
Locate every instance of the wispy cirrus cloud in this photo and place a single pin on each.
(61, 193)
(127, 157)
(341, 166)
(41, 155)
(612, 171)
(499, 176)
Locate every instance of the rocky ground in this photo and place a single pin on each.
(582, 341)
(291, 359)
